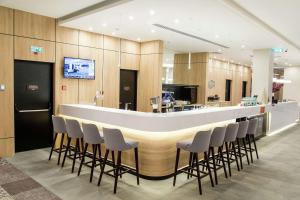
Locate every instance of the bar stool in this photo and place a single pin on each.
(230, 138)
(216, 141)
(114, 141)
(74, 132)
(92, 137)
(252, 128)
(59, 127)
(200, 144)
(241, 135)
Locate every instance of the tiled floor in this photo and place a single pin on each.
(276, 176)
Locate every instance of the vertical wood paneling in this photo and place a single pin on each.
(67, 35)
(70, 95)
(90, 39)
(34, 26)
(6, 78)
(111, 79)
(23, 50)
(88, 88)
(6, 20)
(111, 43)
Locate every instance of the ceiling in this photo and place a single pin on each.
(213, 20)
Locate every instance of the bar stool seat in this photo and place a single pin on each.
(200, 144)
(114, 141)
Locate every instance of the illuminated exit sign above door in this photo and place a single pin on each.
(36, 49)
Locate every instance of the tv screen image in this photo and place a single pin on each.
(79, 68)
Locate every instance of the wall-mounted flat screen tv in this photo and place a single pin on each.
(79, 68)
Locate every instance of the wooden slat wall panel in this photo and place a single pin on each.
(111, 43)
(88, 88)
(70, 95)
(6, 78)
(67, 35)
(23, 50)
(111, 79)
(6, 20)
(34, 26)
(128, 46)
(130, 61)
(90, 39)
(7, 147)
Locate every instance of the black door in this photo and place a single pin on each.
(33, 105)
(128, 87)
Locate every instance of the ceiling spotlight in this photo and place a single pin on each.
(219, 50)
(104, 24)
(243, 46)
(113, 33)
(215, 57)
(153, 31)
(131, 18)
(90, 28)
(152, 12)
(217, 36)
(138, 39)
(176, 21)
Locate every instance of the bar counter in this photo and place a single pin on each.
(158, 133)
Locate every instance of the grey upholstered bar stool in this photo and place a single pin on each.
(252, 128)
(114, 141)
(241, 137)
(74, 132)
(59, 127)
(91, 136)
(200, 144)
(216, 141)
(229, 140)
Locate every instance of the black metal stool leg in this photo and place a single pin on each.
(240, 155)
(82, 160)
(223, 162)
(53, 145)
(67, 149)
(176, 166)
(214, 164)
(75, 154)
(103, 166)
(113, 160)
(117, 171)
(228, 159)
(198, 173)
(93, 162)
(206, 158)
(250, 148)
(255, 146)
(235, 156)
(136, 155)
(190, 164)
(61, 147)
(246, 152)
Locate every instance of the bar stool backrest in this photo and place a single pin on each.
(243, 128)
(231, 132)
(217, 137)
(73, 128)
(252, 126)
(113, 139)
(91, 134)
(59, 124)
(200, 142)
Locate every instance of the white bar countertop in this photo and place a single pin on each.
(165, 122)
(157, 122)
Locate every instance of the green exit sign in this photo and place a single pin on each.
(36, 49)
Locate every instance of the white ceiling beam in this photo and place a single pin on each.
(103, 5)
(244, 12)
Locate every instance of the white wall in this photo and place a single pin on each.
(292, 90)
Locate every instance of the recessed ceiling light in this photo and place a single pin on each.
(152, 12)
(131, 18)
(138, 39)
(219, 50)
(113, 33)
(243, 46)
(217, 36)
(176, 21)
(153, 31)
(104, 24)
(215, 57)
(90, 28)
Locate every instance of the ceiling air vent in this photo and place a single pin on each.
(189, 35)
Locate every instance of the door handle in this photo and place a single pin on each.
(35, 110)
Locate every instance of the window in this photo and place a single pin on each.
(228, 90)
(244, 89)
